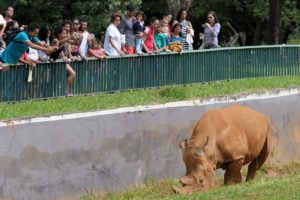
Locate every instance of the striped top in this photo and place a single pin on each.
(184, 25)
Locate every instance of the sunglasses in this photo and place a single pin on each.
(76, 23)
(210, 17)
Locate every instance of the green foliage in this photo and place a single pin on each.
(243, 15)
(154, 8)
(291, 17)
(248, 17)
(294, 41)
(53, 12)
(98, 12)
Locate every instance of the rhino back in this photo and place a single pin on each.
(234, 132)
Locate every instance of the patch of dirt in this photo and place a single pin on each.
(271, 173)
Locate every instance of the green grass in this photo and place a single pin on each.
(141, 97)
(294, 41)
(285, 186)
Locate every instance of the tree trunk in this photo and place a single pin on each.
(257, 34)
(175, 5)
(275, 27)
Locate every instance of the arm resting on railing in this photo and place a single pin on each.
(47, 50)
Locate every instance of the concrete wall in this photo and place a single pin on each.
(48, 158)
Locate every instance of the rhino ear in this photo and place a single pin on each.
(200, 150)
(183, 144)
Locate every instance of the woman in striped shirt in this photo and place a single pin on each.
(186, 28)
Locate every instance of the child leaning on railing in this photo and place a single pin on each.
(96, 50)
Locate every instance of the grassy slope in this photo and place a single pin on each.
(141, 97)
(283, 187)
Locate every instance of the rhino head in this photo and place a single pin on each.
(200, 167)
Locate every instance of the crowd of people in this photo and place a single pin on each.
(32, 44)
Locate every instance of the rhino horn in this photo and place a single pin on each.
(199, 152)
(185, 180)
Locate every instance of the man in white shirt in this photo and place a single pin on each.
(33, 55)
(86, 37)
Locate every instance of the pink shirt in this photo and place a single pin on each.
(149, 40)
(95, 52)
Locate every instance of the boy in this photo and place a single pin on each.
(138, 27)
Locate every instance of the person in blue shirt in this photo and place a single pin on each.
(20, 43)
(176, 41)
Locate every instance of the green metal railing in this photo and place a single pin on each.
(49, 80)
(133, 72)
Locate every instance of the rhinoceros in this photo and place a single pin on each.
(227, 138)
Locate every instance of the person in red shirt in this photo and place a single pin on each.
(149, 35)
(26, 60)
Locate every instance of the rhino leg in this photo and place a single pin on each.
(256, 164)
(233, 172)
(260, 159)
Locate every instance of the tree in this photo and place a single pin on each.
(275, 25)
(54, 12)
(154, 8)
(248, 17)
(98, 12)
(257, 21)
(175, 5)
(290, 20)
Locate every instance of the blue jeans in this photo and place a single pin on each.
(139, 42)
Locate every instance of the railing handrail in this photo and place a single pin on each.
(174, 53)
(118, 73)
